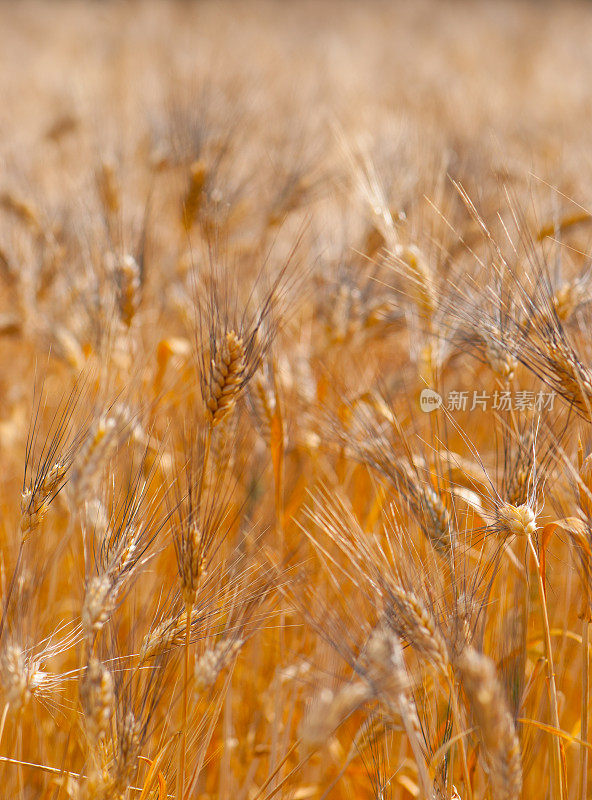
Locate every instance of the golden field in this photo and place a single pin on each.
(295, 400)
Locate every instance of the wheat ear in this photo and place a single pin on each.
(226, 377)
(496, 726)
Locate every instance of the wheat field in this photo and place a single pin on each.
(295, 400)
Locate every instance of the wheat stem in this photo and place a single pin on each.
(205, 462)
(583, 781)
(461, 745)
(556, 751)
(15, 572)
(183, 745)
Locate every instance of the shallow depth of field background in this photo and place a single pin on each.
(374, 198)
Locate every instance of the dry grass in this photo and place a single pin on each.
(241, 555)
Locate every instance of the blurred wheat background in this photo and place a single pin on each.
(295, 400)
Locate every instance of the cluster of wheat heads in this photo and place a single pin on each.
(295, 401)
